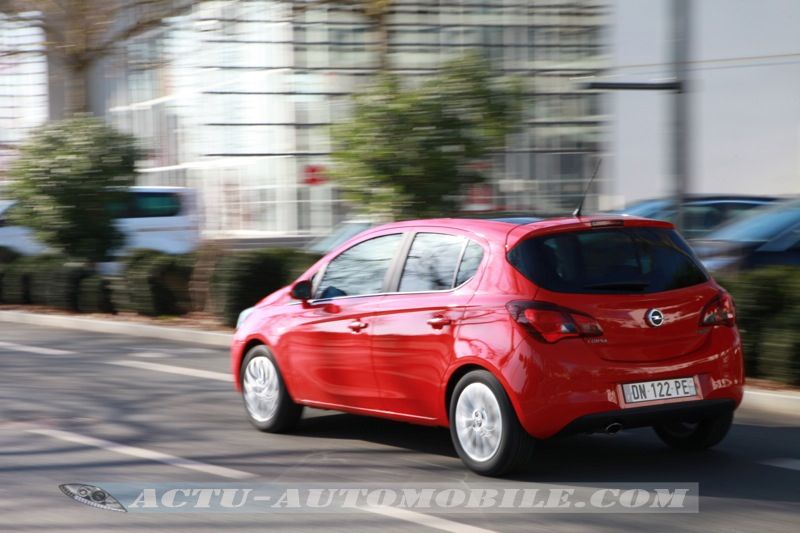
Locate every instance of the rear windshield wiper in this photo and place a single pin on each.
(632, 285)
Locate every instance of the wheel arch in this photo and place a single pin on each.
(248, 345)
(465, 368)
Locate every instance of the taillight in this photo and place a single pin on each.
(719, 312)
(551, 323)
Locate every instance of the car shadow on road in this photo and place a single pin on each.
(734, 469)
(422, 439)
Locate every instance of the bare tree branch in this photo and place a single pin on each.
(302, 7)
(17, 52)
(141, 26)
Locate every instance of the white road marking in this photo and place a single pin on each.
(425, 520)
(193, 351)
(149, 355)
(34, 349)
(143, 453)
(170, 369)
(783, 462)
(774, 395)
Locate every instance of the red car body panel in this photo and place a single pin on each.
(403, 362)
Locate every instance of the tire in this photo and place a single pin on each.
(479, 402)
(695, 435)
(266, 400)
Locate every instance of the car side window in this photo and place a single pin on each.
(431, 263)
(359, 270)
(698, 219)
(156, 204)
(469, 262)
(733, 210)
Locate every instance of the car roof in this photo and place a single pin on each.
(511, 230)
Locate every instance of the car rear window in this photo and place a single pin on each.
(617, 261)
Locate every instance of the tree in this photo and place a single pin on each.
(407, 151)
(67, 177)
(79, 33)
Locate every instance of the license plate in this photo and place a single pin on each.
(662, 389)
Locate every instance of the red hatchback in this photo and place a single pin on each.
(507, 331)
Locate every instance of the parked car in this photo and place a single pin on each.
(158, 218)
(764, 236)
(701, 214)
(507, 332)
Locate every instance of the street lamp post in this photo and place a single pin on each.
(680, 103)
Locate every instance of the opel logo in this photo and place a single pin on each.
(655, 317)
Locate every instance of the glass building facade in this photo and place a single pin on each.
(23, 86)
(237, 97)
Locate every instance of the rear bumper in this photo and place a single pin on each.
(568, 387)
(635, 417)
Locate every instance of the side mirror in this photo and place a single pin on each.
(301, 290)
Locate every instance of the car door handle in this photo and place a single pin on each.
(438, 322)
(357, 325)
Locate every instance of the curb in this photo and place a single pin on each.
(94, 325)
(786, 402)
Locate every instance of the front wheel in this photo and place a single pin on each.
(695, 435)
(484, 427)
(267, 402)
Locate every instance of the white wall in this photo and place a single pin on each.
(745, 98)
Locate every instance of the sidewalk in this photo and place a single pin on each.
(136, 329)
(786, 401)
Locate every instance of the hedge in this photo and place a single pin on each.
(241, 279)
(42, 280)
(94, 295)
(154, 284)
(768, 314)
(7, 255)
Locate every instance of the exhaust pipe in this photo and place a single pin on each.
(613, 428)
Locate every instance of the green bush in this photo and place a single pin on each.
(7, 255)
(121, 286)
(768, 314)
(17, 281)
(41, 270)
(3, 268)
(154, 284)
(66, 176)
(94, 295)
(63, 285)
(241, 279)
(42, 280)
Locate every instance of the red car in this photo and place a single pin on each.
(507, 331)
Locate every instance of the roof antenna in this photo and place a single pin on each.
(577, 211)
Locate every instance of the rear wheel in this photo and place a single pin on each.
(267, 402)
(698, 435)
(484, 427)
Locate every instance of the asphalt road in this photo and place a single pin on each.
(79, 407)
